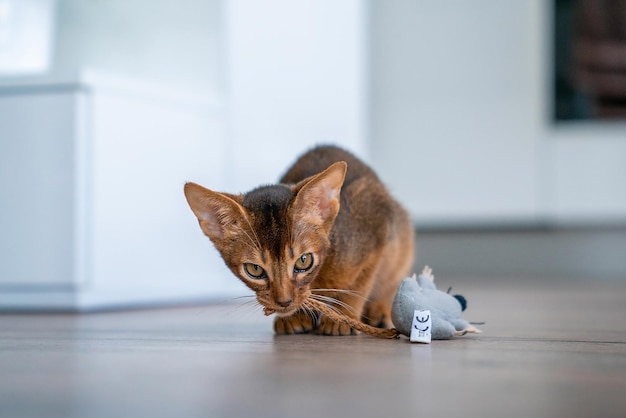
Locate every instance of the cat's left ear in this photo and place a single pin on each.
(317, 198)
(218, 213)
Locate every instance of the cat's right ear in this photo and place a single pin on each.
(217, 213)
(317, 200)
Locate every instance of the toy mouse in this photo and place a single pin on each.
(421, 294)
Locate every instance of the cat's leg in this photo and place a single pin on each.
(329, 327)
(377, 310)
(301, 322)
(396, 263)
(350, 300)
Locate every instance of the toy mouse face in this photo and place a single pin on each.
(421, 328)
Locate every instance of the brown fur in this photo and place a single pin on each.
(328, 204)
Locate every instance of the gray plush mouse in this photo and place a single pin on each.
(421, 294)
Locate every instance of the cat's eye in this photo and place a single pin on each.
(303, 263)
(254, 270)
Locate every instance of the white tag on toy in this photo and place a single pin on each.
(421, 328)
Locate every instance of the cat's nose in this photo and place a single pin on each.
(285, 302)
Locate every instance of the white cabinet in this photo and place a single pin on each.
(37, 173)
(93, 213)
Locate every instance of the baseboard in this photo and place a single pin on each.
(540, 251)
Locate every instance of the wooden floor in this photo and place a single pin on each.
(549, 349)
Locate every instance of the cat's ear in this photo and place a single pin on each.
(218, 213)
(317, 198)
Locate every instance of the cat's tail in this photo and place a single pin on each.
(388, 333)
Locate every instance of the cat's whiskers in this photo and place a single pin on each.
(247, 308)
(334, 302)
(243, 297)
(344, 291)
(333, 307)
(205, 309)
(347, 292)
(363, 316)
(309, 312)
(310, 304)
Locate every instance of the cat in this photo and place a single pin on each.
(329, 231)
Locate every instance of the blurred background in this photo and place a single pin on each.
(497, 123)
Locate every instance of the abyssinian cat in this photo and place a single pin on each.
(328, 231)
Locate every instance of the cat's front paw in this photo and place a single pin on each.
(329, 327)
(298, 323)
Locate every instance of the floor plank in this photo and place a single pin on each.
(549, 349)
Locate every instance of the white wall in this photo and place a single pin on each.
(460, 119)
(296, 77)
(586, 173)
(173, 43)
(26, 36)
(454, 108)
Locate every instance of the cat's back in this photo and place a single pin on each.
(368, 214)
(320, 158)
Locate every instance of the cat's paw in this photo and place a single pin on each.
(329, 327)
(298, 323)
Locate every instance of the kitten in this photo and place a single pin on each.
(329, 231)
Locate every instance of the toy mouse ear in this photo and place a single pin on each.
(462, 301)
